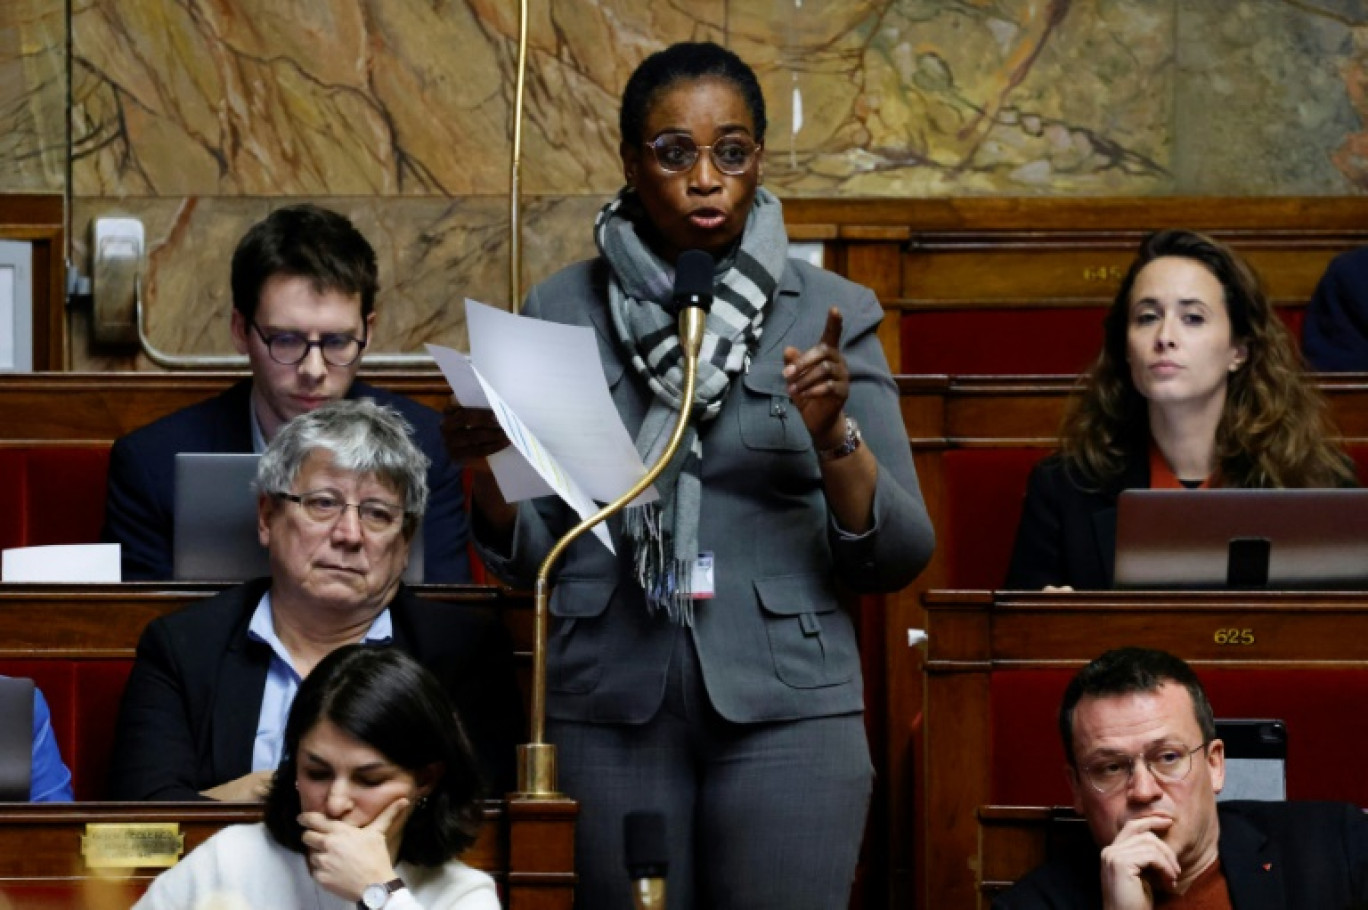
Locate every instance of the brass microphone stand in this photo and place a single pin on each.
(537, 759)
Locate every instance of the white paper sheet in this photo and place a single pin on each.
(545, 384)
(94, 562)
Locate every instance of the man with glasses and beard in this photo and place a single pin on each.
(304, 282)
(1145, 766)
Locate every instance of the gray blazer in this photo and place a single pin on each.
(775, 642)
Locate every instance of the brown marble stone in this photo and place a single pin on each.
(1272, 97)
(432, 254)
(32, 96)
(200, 115)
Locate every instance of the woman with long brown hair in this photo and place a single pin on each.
(1198, 384)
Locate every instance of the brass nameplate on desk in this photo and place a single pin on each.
(133, 845)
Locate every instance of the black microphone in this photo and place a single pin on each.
(643, 832)
(693, 297)
(693, 280)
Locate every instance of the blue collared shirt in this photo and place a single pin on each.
(282, 681)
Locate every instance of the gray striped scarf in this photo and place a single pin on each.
(664, 534)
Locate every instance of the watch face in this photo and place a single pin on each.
(375, 897)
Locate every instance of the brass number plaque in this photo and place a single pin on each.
(132, 846)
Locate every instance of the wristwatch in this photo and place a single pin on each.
(378, 895)
(846, 446)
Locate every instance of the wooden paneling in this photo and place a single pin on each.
(41, 221)
(101, 407)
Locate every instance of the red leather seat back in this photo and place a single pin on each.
(984, 489)
(83, 696)
(52, 494)
(1326, 733)
(1001, 341)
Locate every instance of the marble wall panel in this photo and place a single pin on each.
(33, 96)
(928, 98)
(199, 115)
(432, 254)
(1272, 96)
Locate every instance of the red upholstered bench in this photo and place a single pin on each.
(1001, 341)
(1020, 340)
(84, 696)
(984, 489)
(52, 494)
(1326, 736)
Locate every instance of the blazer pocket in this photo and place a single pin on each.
(811, 641)
(574, 645)
(769, 419)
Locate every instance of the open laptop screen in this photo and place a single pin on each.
(215, 537)
(1276, 539)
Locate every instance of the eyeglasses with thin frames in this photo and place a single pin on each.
(325, 507)
(290, 348)
(1168, 763)
(677, 153)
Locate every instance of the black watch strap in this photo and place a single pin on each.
(369, 896)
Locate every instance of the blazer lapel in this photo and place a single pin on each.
(1253, 873)
(239, 688)
(783, 314)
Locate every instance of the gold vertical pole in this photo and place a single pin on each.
(515, 172)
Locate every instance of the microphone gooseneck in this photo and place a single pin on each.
(693, 296)
(643, 835)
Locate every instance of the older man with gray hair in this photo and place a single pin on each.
(340, 492)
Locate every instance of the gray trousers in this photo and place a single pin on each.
(757, 815)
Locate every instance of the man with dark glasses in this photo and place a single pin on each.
(1145, 766)
(304, 282)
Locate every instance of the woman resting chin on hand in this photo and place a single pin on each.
(377, 791)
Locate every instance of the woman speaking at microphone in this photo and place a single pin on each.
(709, 670)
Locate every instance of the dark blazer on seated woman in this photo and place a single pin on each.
(189, 715)
(1067, 534)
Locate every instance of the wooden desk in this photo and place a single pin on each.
(46, 408)
(1013, 840)
(972, 635)
(527, 847)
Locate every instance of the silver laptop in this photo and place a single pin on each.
(1276, 539)
(215, 536)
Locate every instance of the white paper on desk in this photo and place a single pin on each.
(93, 562)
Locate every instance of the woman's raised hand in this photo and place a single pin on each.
(819, 383)
(471, 434)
